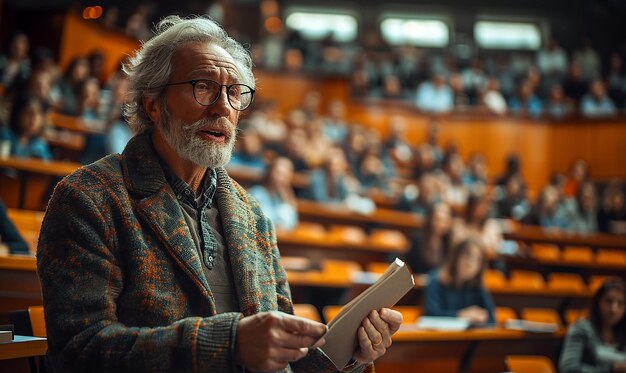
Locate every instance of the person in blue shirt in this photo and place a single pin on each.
(526, 102)
(26, 125)
(597, 104)
(435, 96)
(456, 288)
(10, 240)
(276, 196)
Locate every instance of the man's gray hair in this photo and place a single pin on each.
(151, 66)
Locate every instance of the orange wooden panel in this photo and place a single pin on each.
(308, 311)
(377, 267)
(577, 254)
(566, 282)
(494, 279)
(546, 315)
(572, 315)
(545, 252)
(503, 314)
(530, 364)
(310, 231)
(611, 257)
(389, 238)
(526, 280)
(37, 321)
(347, 234)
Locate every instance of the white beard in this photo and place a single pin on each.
(183, 138)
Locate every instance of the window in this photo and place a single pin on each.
(419, 32)
(507, 35)
(318, 25)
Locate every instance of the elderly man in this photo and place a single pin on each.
(155, 260)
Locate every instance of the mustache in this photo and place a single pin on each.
(221, 124)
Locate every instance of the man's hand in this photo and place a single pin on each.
(474, 314)
(375, 333)
(268, 341)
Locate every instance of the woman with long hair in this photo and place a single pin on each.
(456, 289)
(597, 343)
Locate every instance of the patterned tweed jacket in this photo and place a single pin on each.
(122, 283)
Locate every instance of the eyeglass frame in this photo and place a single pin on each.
(193, 83)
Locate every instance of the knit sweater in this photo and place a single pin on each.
(123, 285)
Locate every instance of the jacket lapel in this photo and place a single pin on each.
(246, 260)
(159, 209)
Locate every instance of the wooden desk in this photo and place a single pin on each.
(585, 269)
(19, 285)
(476, 350)
(39, 166)
(331, 214)
(42, 173)
(531, 233)
(363, 254)
(76, 124)
(23, 346)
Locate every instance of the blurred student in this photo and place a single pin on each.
(511, 200)
(71, 85)
(597, 343)
(477, 223)
(456, 289)
(548, 212)
(276, 196)
(10, 240)
(430, 245)
(582, 210)
(26, 126)
(249, 150)
(15, 65)
(597, 103)
(612, 214)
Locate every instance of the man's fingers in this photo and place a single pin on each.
(392, 318)
(299, 325)
(381, 326)
(292, 340)
(374, 335)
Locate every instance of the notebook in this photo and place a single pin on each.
(341, 338)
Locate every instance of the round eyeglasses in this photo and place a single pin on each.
(207, 92)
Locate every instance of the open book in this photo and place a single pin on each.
(341, 338)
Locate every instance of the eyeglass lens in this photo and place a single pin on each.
(207, 92)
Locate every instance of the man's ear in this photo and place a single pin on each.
(152, 107)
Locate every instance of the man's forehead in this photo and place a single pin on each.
(202, 56)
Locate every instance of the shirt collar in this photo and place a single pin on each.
(183, 191)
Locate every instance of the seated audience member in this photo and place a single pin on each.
(578, 174)
(511, 199)
(276, 196)
(26, 126)
(267, 119)
(396, 145)
(71, 84)
(456, 289)
(435, 96)
(475, 179)
(455, 192)
(335, 125)
(374, 173)
(597, 343)
(574, 85)
(430, 245)
(420, 200)
(118, 133)
(526, 102)
(492, 98)
(10, 240)
(318, 145)
(616, 80)
(433, 139)
(294, 148)
(512, 166)
(548, 212)
(558, 106)
(596, 103)
(477, 223)
(612, 214)
(249, 150)
(331, 183)
(582, 210)
(355, 146)
(460, 95)
(15, 66)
